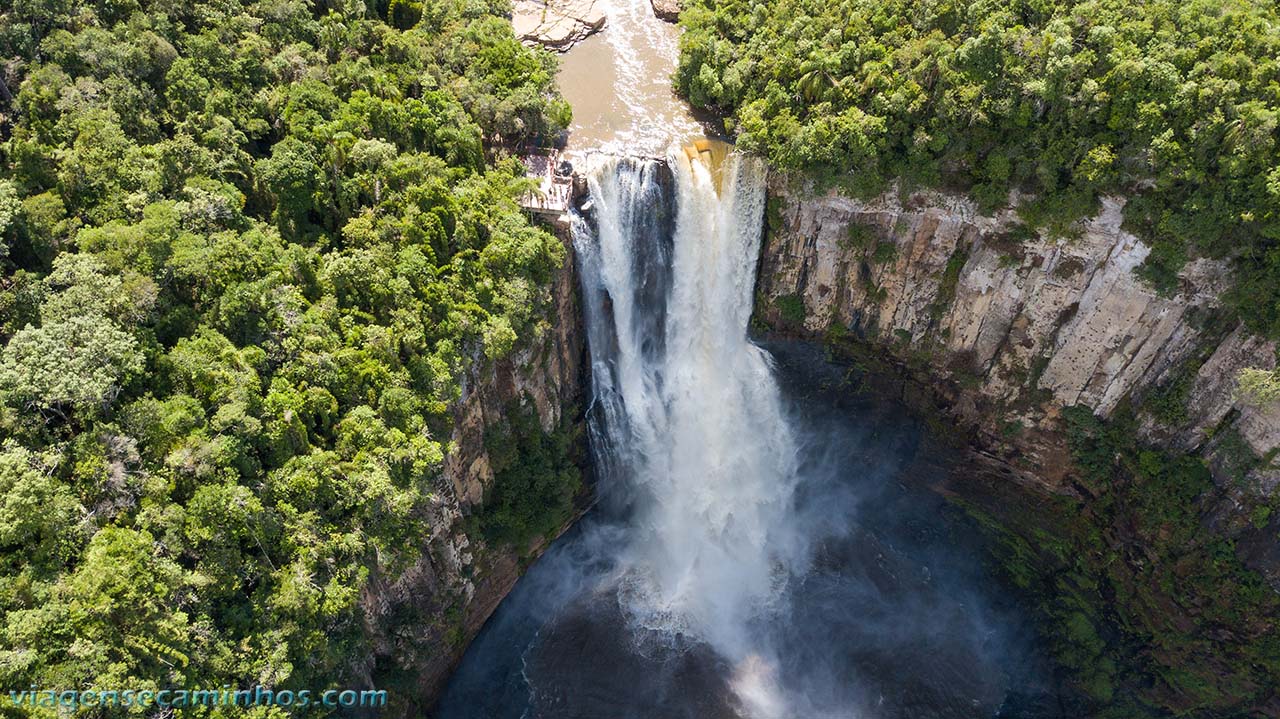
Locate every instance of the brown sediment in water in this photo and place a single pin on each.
(711, 153)
(618, 82)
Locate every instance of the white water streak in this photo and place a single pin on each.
(637, 39)
(699, 430)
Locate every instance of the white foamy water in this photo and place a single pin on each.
(619, 84)
(693, 424)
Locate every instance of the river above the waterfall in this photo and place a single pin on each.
(618, 82)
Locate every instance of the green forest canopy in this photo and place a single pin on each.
(1172, 103)
(248, 249)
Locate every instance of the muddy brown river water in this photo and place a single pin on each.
(619, 84)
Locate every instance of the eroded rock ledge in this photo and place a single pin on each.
(556, 24)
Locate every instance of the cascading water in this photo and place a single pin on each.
(728, 571)
(690, 417)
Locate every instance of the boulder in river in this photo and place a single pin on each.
(556, 24)
(668, 10)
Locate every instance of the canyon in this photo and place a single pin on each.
(678, 359)
(994, 335)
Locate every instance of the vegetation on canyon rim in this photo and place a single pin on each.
(1148, 609)
(248, 250)
(1175, 105)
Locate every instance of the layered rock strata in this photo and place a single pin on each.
(1014, 325)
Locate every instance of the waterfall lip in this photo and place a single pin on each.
(592, 157)
(603, 152)
(666, 156)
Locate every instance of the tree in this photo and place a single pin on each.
(1258, 386)
(123, 601)
(293, 177)
(77, 363)
(38, 512)
(10, 206)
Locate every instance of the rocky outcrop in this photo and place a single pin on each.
(422, 620)
(1018, 324)
(668, 10)
(556, 24)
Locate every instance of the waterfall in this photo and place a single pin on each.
(687, 419)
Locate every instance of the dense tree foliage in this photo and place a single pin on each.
(1173, 104)
(248, 249)
(1150, 610)
(535, 479)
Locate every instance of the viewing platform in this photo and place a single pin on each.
(555, 184)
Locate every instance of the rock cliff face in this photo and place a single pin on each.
(423, 621)
(1147, 576)
(1013, 325)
